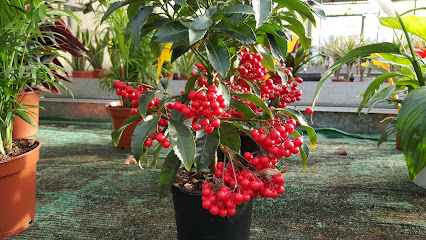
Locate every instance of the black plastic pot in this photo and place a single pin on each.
(196, 223)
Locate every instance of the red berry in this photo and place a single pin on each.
(134, 111)
(196, 126)
(248, 156)
(201, 95)
(130, 89)
(238, 197)
(117, 83)
(309, 111)
(160, 138)
(166, 144)
(214, 210)
(191, 95)
(298, 142)
(148, 142)
(118, 91)
(215, 123)
(207, 204)
(177, 106)
(213, 89)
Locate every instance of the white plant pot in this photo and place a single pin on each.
(420, 179)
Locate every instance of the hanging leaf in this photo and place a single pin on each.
(229, 136)
(114, 7)
(168, 174)
(267, 61)
(206, 147)
(301, 119)
(243, 108)
(218, 55)
(414, 24)
(180, 49)
(380, 97)
(191, 83)
(156, 154)
(278, 46)
(116, 134)
(390, 130)
(224, 90)
(136, 23)
(262, 9)
(182, 141)
(171, 32)
(195, 35)
(253, 87)
(254, 99)
(142, 131)
(241, 32)
(300, 7)
(411, 126)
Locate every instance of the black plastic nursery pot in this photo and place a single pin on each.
(196, 223)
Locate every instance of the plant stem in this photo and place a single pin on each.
(413, 60)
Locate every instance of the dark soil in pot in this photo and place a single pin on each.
(19, 147)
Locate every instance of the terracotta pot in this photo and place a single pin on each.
(22, 129)
(117, 116)
(82, 74)
(339, 80)
(183, 78)
(98, 72)
(18, 192)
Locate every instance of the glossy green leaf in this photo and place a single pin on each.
(202, 23)
(239, 8)
(256, 100)
(278, 46)
(356, 53)
(253, 87)
(373, 87)
(156, 154)
(262, 9)
(218, 55)
(116, 134)
(195, 35)
(304, 151)
(394, 59)
(136, 23)
(114, 7)
(191, 83)
(224, 90)
(243, 108)
(168, 174)
(241, 32)
(25, 115)
(414, 24)
(165, 100)
(142, 131)
(300, 7)
(390, 130)
(180, 2)
(144, 101)
(182, 141)
(180, 49)
(267, 61)
(411, 126)
(229, 136)
(206, 147)
(171, 32)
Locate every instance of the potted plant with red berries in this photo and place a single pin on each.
(240, 88)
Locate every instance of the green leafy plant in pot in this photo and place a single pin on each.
(406, 90)
(27, 60)
(239, 91)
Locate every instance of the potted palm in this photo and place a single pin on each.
(238, 89)
(24, 48)
(96, 52)
(405, 88)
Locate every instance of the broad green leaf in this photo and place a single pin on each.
(142, 131)
(229, 136)
(156, 155)
(180, 50)
(114, 7)
(116, 134)
(300, 7)
(241, 32)
(256, 100)
(414, 24)
(171, 32)
(297, 27)
(24, 115)
(413, 83)
(191, 83)
(304, 151)
(253, 86)
(136, 23)
(394, 59)
(380, 97)
(180, 2)
(262, 9)
(182, 141)
(218, 55)
(243, 108)
(168, 174)
(356, 53)
(411, 126)
(302, 120)
(144, 101)
(156, 48)
(267, 61)
(144, 159)
(390, 130)
(373, 87)
(206, 147)
(239, 8)
(278, 46)
(202, 23)
(195, 35)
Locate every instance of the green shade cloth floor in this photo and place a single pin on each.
(85, 191)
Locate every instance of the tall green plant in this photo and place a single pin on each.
(406, 91)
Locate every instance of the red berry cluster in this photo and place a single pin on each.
(250, 67)
(275, 139)
(134, 94)
(205, 107)
(243, 185)
(160, 137)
